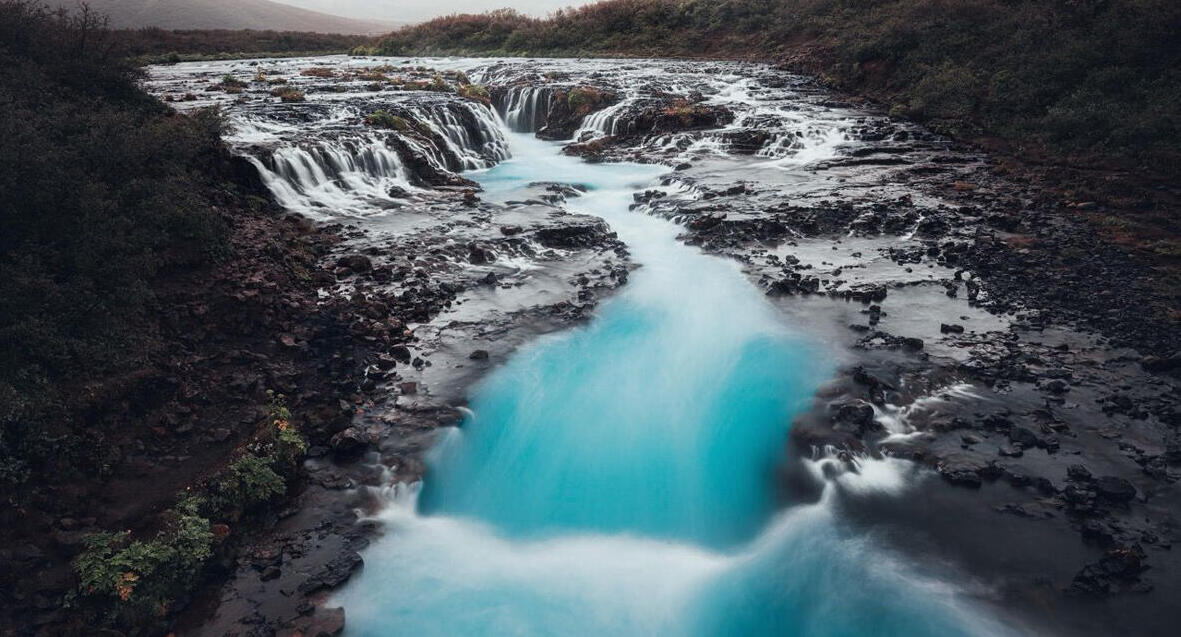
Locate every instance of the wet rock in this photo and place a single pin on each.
(333, 574)
(963, 472)
(855, 417)
(573, 236)
(479, 355)
(951, 329)
(349, 442)
(1118, 568)
(1115, 489)
(1159, 364)
(355, 263)
(401, 353)
(1078, 473)
(1024, 437)
(326, 622)
(480, 254)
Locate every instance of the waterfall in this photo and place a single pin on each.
(601, 123)
(345, 175)
(527, 107)
(360, 173)
(468, 130)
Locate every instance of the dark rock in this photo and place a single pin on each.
(349, 442)
(479, 355)
(1115, 489)
(951, 329)
(334, 573)
(326, 622)
(480, 254)
(401, 353)
(355, 263)
(1024, 437)
(1078, 472)
(856, 417)
(1158, 364)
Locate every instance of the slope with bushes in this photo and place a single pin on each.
(150, 296)
(1088, 77)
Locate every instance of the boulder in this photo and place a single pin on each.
(1115, 489)
(355, 263)
(349, 442)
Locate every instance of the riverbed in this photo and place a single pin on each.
(714, 341)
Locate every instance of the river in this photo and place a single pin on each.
(624, 476)
(617, 479)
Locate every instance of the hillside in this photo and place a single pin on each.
(1073, 74)
(225, 14)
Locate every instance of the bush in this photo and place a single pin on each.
(475, 92)
(387, 120)
(102, 190)
(288, 94)
(127, 581)
(1093, 76)
(133, 579)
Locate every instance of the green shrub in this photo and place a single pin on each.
(136, 579)
(475, 92)
(248, 482)
(387, 120)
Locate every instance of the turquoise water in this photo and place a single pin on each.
(617, 479)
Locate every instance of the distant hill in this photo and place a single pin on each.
(225, 14)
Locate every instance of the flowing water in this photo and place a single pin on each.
(617, 479)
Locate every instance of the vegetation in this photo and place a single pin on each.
(161, 46)
(475, 92)
(132, 581)
(128, 582)
(288, 94)
(387, 120)
(104, 189)
(583, 99)
(1096, 77)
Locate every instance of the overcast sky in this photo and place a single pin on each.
(416, 10)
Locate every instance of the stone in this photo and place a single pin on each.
(349, 442)
(1078, 472)
(1023, 437)
(355, 263)
(856, 416)
(1115, 489)
(326, 622)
